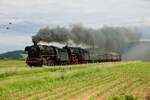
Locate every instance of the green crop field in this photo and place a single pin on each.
(101, 81)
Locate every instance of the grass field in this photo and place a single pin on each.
(75, 82)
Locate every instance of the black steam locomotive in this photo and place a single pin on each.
(39, 55)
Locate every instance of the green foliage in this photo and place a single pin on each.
(15, 55)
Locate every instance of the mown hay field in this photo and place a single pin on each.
(100, 81)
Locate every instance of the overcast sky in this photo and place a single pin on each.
(27, 16)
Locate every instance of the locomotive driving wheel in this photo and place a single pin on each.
(75, 59)
(50, 63)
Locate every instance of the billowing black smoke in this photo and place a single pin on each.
(106, 38)
(70, 36)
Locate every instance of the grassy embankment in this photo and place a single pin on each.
(91, 81)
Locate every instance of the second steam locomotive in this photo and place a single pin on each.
(39, 55)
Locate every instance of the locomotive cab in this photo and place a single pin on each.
(74, 55)
(77, 55)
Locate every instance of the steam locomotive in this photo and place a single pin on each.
(39, 55)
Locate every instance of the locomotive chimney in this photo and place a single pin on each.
(34, 43)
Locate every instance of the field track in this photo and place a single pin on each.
(100, 81)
